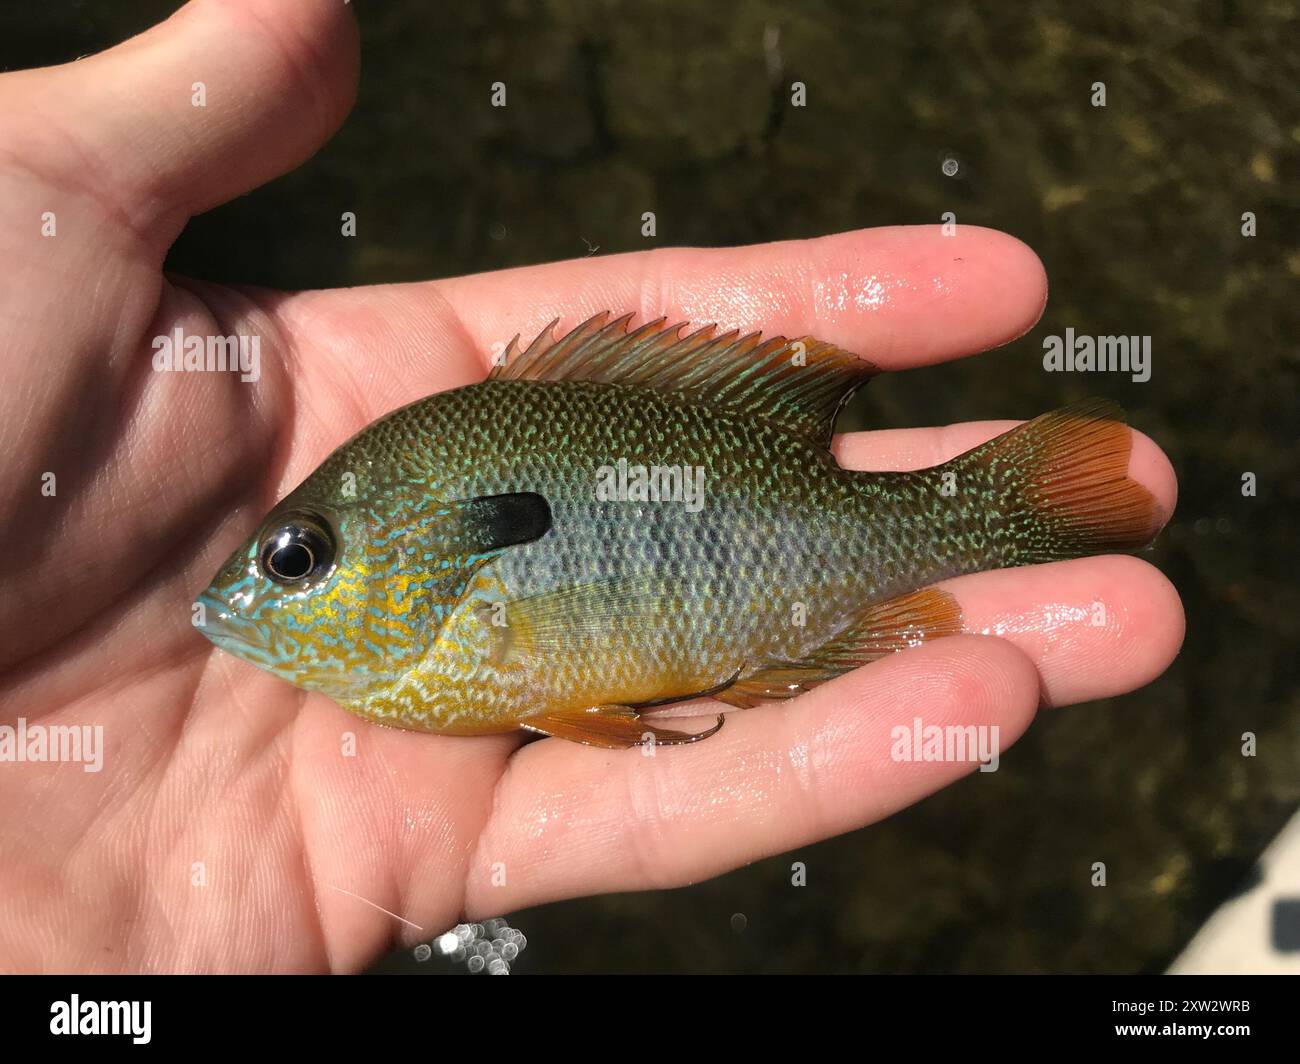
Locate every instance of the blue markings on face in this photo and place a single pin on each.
(395, 581)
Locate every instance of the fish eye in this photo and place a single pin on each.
(300, 548)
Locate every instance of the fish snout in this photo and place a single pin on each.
(220, 623)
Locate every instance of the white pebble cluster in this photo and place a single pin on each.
(491, 946)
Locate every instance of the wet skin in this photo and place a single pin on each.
(211, 764)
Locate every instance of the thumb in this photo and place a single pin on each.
(220, 98)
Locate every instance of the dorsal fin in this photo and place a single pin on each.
(798, 384)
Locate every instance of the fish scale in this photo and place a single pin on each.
(480, 579)
(704, 567)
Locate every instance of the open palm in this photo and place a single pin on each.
(241, 824)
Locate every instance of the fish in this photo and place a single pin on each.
(628, 517)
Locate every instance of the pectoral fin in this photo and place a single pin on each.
(557, 624)
(610, 727)
(880, 630)
(426, 551)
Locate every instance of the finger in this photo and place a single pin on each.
(377, 348)
(569, 820)
(388, 827)
(902, 296)
(1093, 627)
(905, 449)
(275, 80)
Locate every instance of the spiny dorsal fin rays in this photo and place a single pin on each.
(747, 374)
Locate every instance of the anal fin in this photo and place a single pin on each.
(880, 630)
(611, 727)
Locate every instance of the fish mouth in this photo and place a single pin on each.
(227, 630)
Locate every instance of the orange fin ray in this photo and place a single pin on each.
(1069, 471)
(610, 727)
(798, 384)
(880, 630)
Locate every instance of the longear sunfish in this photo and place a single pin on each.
(624, 518)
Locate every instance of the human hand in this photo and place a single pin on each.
(227, 830)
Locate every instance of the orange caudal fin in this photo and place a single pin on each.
(610, 727)
(1061, 483)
